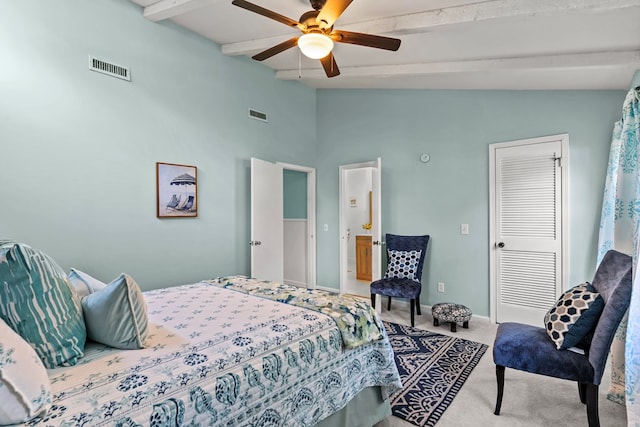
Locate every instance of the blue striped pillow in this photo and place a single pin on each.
(38, 303)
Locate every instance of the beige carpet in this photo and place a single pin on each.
(529, 400)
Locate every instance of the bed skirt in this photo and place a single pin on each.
(366, 409)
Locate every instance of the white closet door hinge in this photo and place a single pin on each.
(559, 160)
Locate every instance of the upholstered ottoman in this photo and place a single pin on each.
(450, 312)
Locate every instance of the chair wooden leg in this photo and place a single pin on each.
(373, 300)
(582, 390)
(418, 306)
(500, 380)
(412, 307)
(592, 405)
(389, 304)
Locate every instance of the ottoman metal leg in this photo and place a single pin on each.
(466, 325)
(453, 327)
(436, 322)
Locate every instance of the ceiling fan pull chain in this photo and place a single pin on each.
(299, 64)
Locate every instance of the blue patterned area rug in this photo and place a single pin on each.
(433, 368)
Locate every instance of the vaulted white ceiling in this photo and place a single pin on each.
(446, 44)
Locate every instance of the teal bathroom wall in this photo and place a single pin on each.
(456, 128)
(78, 149)
(295, 194)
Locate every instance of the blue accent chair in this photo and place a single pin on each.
(529, 348)
(402, 287)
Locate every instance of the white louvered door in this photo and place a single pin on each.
(528, 245)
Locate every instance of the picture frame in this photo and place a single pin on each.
(176, 190)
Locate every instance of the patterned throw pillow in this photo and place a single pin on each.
(117, 314)
(574, 315)
(403, 264)
(22, 396)
(37, 302)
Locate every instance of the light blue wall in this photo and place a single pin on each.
(456, 128)
(295, 194)
(78, 149)
(635, 82)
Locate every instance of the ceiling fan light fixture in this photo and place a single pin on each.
(315, 45)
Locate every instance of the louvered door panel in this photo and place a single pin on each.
(528, 197)
(528, 279)
(527, 231)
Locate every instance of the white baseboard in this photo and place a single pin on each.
(328, 289)
(294, 283)
(423, 307)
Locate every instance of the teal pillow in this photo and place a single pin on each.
(38, 303)
(117, 315)
(83, 283)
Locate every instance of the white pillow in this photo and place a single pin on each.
(117, 315)
(25, 390)
(84, 284)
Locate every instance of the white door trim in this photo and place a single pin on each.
(564, 139)
(311, 220)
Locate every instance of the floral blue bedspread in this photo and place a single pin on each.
(357, 321)
(215, 356)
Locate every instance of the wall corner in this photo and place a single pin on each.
(635, 81)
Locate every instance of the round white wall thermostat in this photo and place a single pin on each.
(424, 158)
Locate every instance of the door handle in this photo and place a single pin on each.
(255, 243)
(376, 242)
(501, 245)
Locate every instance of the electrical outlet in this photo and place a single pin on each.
(441, 287)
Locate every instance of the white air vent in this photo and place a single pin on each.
(254, 114)
(109, 69)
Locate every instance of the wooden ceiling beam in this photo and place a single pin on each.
(424, 21)
(550, 62)
(165, 9)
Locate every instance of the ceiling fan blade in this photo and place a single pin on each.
(331, 11)
(266, 12)
(330, 66)
(369, 40)
(275, 49)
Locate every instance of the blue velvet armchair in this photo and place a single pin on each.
(403, 278)
(530, 349)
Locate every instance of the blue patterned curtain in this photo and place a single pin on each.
(620, 230)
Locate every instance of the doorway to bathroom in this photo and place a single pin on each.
(360, 230)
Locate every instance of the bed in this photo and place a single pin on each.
(235, 351)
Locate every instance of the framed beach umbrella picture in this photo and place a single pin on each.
(177, 190)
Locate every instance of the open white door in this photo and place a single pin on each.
(267, 226)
